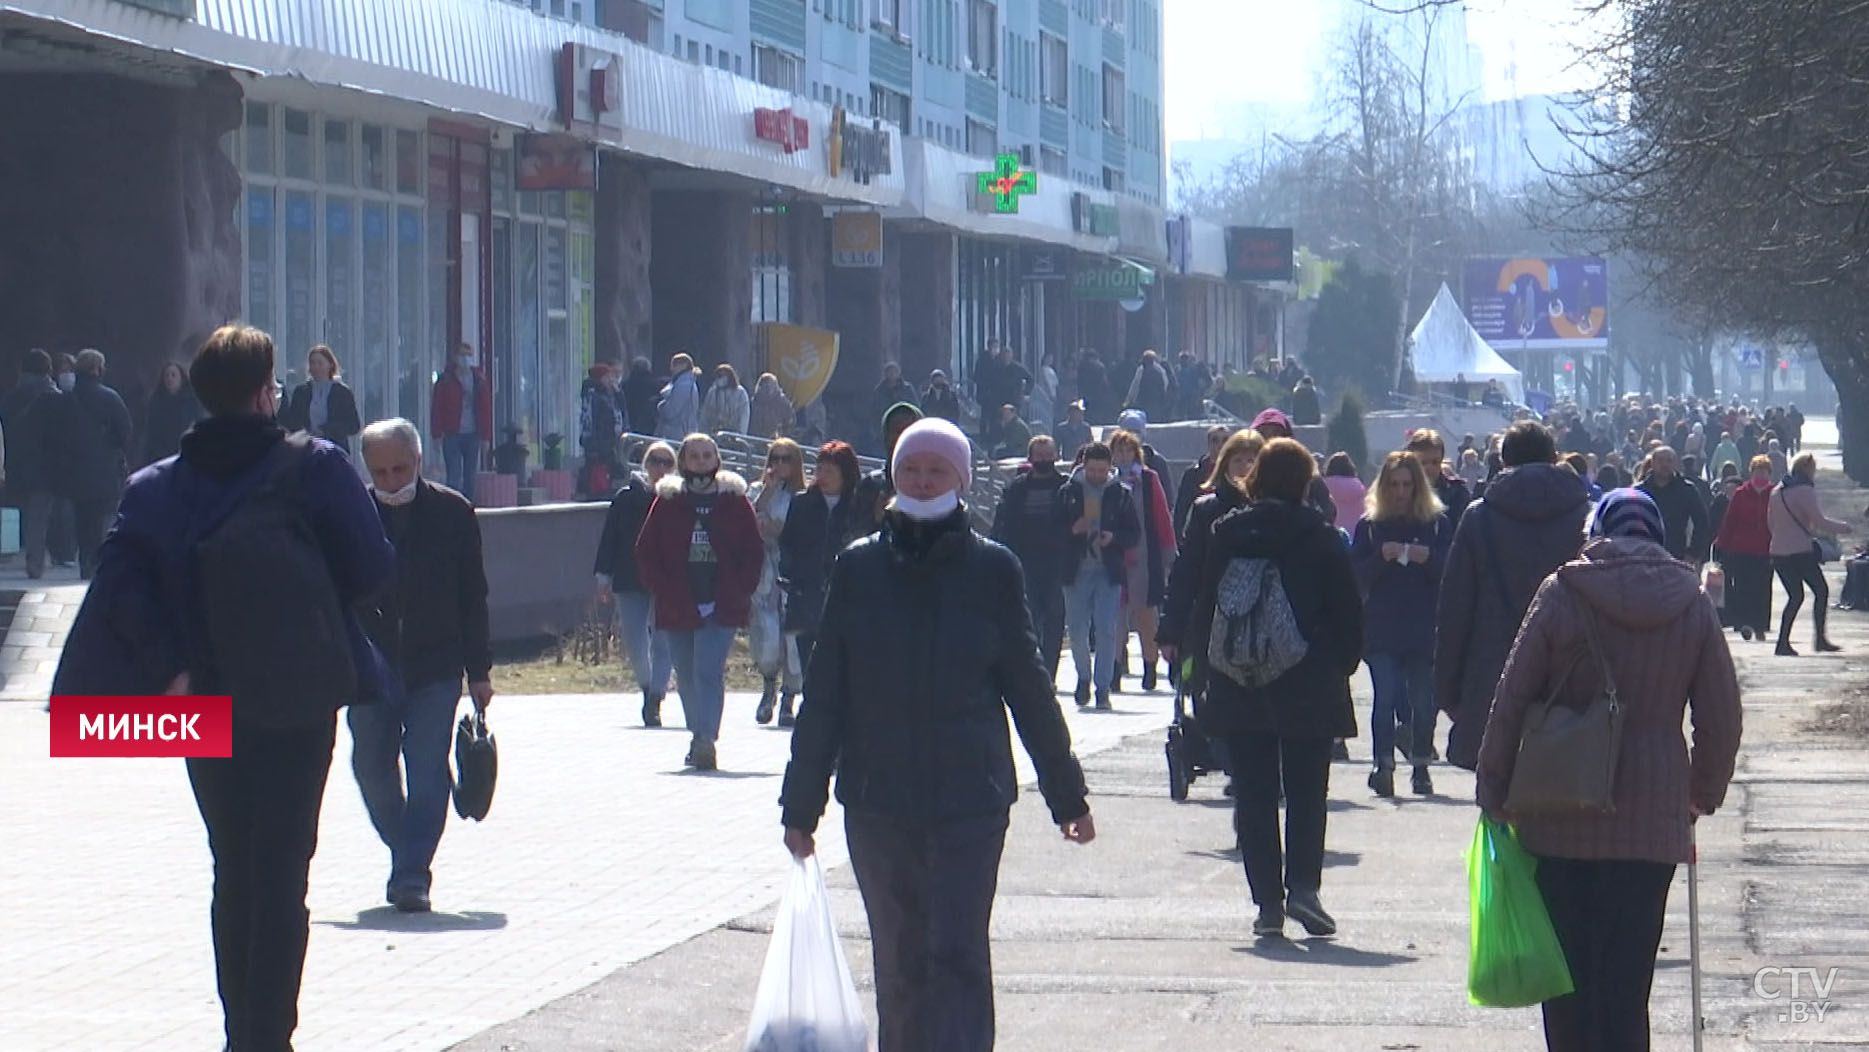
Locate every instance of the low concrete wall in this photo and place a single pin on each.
(538, 562)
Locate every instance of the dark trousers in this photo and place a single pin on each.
(1794, 572)
(928, 891)
(91, 519)
(261, 810)
(1608, 916)
(1046, 601)
(1748, 591)
(1261, 763)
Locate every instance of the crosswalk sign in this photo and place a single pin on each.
(1751, 358)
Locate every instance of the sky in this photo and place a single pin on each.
(1233, 51)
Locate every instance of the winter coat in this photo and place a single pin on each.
(1148, 391)
(1093, 388)
(1683, 516)
(1662, 639)
(603, 417)
(942, 401)
(726, 408)
(641, 393)
(1312, 699)
(678, 413)
(168, 416)
(1724, 453)
(28, 451)
(1070, 438)
(1796, 517)
(1746, 527)
(1528, 524)
(1033, 523)
(1455, 495)
(1119, 519)
(1347, 494)
(888, 394)
(1399, 601)
(445, 406)
(1146, 582)
(341, 422)
(1305, 408)
(616, 550)
(771, 414)
(137, 628)
(1177, 626)
(663, 545)
(431, 625)
(926, 644)
(1013, 439)
(1187, 492)
(814, 534)
(1043, 401)
(89, 436)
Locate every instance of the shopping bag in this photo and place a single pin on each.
(1514, 959)
(806, 1001)
(1713, 582)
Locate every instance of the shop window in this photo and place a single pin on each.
(338, 165)
(410, 388)
(378, 273)
(296, 330)
(261, 225)
(340, 275)
(295, 143)
(375, 155)
(259, 138)
(409, 162)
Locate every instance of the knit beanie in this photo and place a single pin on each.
(1628, 513)
(942, 438)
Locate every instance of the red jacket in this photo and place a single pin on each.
(662, 554)
(444, 411)
(1744, 530)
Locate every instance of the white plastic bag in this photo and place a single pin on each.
(1713, 582)
(807, 1001)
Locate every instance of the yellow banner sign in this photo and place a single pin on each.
(857, 239)
(802, 358)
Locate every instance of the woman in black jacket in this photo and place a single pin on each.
(925, 644)
(1223, 491)
(323, 406)
(1286, 726)
(823, 520)
(647, 649)
(173, 409)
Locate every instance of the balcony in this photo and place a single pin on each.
(1115, 48)
(983, 98)
(1054, 127)
(1055, 18)
(891, 63)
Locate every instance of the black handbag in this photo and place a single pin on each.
(476, 766)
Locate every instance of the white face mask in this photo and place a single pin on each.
(928, 510)
(67, 381)
(399, 497)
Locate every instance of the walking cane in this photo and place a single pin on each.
(1693, 929)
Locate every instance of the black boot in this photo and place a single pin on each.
(1422, 783)
(786, 718)
(651, 709)
(767, 699)
(1148, 678)
(1083, 693)
(1382, 782)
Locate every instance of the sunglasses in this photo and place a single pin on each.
(660, 462)
(782, 458)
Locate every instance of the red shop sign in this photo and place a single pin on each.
(782, 127)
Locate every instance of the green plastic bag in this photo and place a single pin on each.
(1514, 958)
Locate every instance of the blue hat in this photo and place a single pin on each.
(1628, 513)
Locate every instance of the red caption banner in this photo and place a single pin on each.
(143, 727)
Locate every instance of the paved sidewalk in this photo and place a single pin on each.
(29, 656)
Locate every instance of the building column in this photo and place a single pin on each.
(859, 305)
(808, 254)
(927, 299)
(701, 277)
(625, 308)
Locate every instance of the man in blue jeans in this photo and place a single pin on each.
(432, 629)
(1104, 527)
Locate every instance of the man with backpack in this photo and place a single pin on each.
(233, 570)
(433, 630)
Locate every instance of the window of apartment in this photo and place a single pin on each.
(1113, 179)
(694, 51)
(982, 139)
(1114, 98)
(1052, 162)
(886, 13)
(983, 36)
(1054, 70)
(777, 69)
(1112, 14)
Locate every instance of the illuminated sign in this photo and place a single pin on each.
(1005, 184)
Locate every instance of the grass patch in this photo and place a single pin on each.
(586, 662)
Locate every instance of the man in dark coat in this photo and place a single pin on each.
(1306, 408)
(90, 455)
(641, 391)
(28, 460)
(1032, 522)
(1683, 508)
(1093, 388)
(1529, 523)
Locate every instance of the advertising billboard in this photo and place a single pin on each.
(1539, 304)
(1259, 253)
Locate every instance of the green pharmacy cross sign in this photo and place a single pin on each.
(1006, 183)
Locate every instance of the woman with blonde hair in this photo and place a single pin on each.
(1797, 519)
(1397, 551)
(772, 495)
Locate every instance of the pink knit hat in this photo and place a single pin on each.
(940, 437)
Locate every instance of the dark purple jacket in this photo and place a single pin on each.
(1399, 601)
(131, 634)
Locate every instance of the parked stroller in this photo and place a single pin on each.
(1191, 752)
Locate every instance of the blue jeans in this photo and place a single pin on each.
(1404, 695)
(701, 675)
(646, 648)
(461, 455)
(417, 726)
(1094, 599)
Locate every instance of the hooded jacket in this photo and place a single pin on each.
(1312, 699)
(1528, 524)
(925, 646)
(1662, 640)
(662, 553)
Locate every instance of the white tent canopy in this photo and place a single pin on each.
(1446, 346)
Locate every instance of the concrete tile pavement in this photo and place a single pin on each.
(47, 606)
(599, 852)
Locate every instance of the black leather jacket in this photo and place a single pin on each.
(925, 631)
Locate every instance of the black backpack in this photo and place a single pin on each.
(275, 629)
